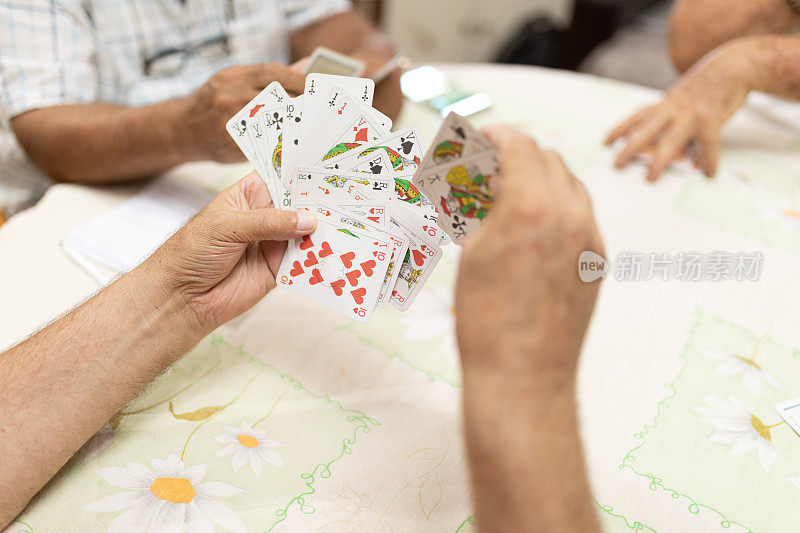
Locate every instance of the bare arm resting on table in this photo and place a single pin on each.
(62, 384)
(520, 334)
(699, 26)
(689, 120)
(104, 143)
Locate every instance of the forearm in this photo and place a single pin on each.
(525, 451)
(103, 143)
(775, 63)
(699, 26)
(62, 384)
(360, 36)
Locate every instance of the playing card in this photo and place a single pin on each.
(241, 123)
(417, 266)
(326, 61)
(396, 236)
(342, 124)
(292, 119)
(340, 186)
(790, 412)
(456, 139)
(420, 221)
(316, 90)
(272, 120)
(403, 148)
(400, 240)
(460, 192)
(337, 265)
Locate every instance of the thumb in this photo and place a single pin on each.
(266, 225)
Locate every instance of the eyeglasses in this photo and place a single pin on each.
(171, 61)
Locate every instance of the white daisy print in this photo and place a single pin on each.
(249, 446)
(740, 428)
(794, 481)
(434, 316)
(166, 499)
(732, 364)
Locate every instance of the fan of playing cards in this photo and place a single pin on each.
(377, 238)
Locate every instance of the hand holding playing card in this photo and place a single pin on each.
(224, 260)
(208, 109)
(521, 315)
(518, 280)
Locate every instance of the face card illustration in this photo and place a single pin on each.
(377, 163)
(242, 122)
(456, 139)
(420, 260)
(400, 241)
(461, 193)
(403, 149)
(273, 121)
(340, 186)
(342, 124)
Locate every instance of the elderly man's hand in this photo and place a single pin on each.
(209, 108)
(689, 119)
(518, 280)
(224, 260)
(521, 315)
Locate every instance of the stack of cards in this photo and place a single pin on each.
(329, 151)
(455, 176)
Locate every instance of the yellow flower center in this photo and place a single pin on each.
(247, 441)
(760, 428)
(791, 213)
(173, 489)
(748, 361)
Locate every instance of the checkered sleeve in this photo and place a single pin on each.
(300, 13)
(46, 54)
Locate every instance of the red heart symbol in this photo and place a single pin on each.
(353, 276)
(326, 250)
(337, 286)
(316, 277)
(358, 294)
(367, 267)
(347, 259)
(296, 270)
(306, 243)
(312, 259)
(419, 257)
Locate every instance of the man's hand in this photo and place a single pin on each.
(210, 107)
(521, 315)
(225, 259)
(98, 357)
(518, 279)
(689, 120)
(108, 143)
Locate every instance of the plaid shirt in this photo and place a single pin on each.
(129, 52)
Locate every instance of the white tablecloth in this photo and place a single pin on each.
(369, 415)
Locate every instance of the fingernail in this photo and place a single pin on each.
(306, 221)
